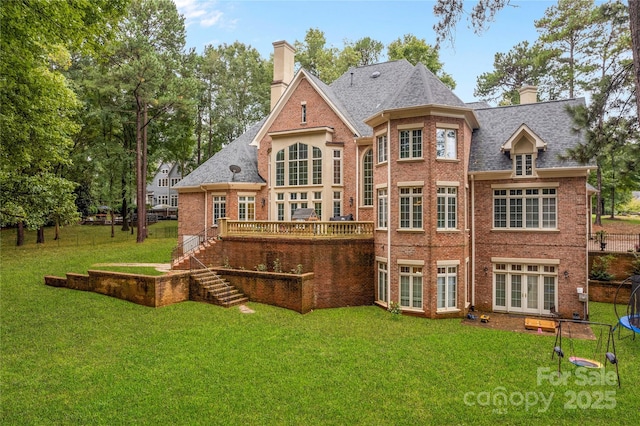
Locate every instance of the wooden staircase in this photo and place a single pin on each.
(209, 287)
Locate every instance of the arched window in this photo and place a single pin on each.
(367, 178)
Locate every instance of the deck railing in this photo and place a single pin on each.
(614, 242)
(306, 229)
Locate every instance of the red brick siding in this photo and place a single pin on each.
(568, 244)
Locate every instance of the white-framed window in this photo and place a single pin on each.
(525, 287)
(383, 277)
(303, 113)
(173, 200)
(174, 181)
(533, 208)
(317, 166)
(382, 148)
(367, 178)
(410, 144)
(280, 168)
(219, 207)
(447, 287)
(411, 287)
(411, 208)
(317, 203)
(246, 207)
(337, 203)
(447, 207)
(163, 182)
(446, 143)
(382, 208)
(337, 167)
(523, 164)
(298, 164)
(163, 199)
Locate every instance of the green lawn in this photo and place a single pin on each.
(71, 357)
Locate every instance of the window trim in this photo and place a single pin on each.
(367, 181)
(523, 206)
(447, 197)
(446, 265)
(412, 205)
(412, 274)
(412, 151)
(446, 145)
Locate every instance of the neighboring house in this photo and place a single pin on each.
(161, 191)
(471, 205)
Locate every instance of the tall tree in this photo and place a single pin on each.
(38, 106)
(523, 64)
(415, 50)
(313, 55)
(235, 88)
(567, 30)
(147, 63)
(449, 13)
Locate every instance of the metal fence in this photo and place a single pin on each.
(614, 242)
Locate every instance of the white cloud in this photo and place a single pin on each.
(204, 13)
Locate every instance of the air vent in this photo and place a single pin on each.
(375, 74)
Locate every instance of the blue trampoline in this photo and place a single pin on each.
(630, 321)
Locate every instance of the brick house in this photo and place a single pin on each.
(469, 205)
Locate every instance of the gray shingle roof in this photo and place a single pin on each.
(363, 90)
(549, 120)
(239, 153)
(422, 87)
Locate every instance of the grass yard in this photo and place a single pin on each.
(71, 357)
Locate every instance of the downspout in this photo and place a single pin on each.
(356, 201)
(473, 241)
(389, 213)
(205, 210)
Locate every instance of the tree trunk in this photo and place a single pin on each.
(20, 234)
(634, 23)
(57, 233)
(599, 195)
(40, 235)
(113, 224)
(140, 180)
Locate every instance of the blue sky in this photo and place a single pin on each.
(260, 23)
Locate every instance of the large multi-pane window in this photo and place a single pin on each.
(533, 208)
(447, 210)
(411, 143)
(411, 287)
(174, 181)
(382, 148)
(367, 178)
(411, 208)
(298, 164)
(246, 207)
(446, 143)
(173, 200)
(219, 207)
(447, 287)
(382, 208)
(163, 182)
(295, 161)
(383, 277)
(337, 167)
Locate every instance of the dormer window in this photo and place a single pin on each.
(524, 164)
(523, 147)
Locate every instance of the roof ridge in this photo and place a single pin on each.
(580, 98)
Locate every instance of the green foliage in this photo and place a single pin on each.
(416, 50)
(396, 311)
(298, 269)
(277, 266)
(635, 263)
(313, 55)
(600, 268)
(262, 267)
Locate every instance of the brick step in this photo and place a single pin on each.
(217, 290)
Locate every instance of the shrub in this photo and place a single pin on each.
(261, 267)
(277, 266)
(394, 308)
(599, 268)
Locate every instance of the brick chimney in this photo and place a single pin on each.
(283, 59)
(528, 94)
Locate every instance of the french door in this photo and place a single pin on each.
(524, 288)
